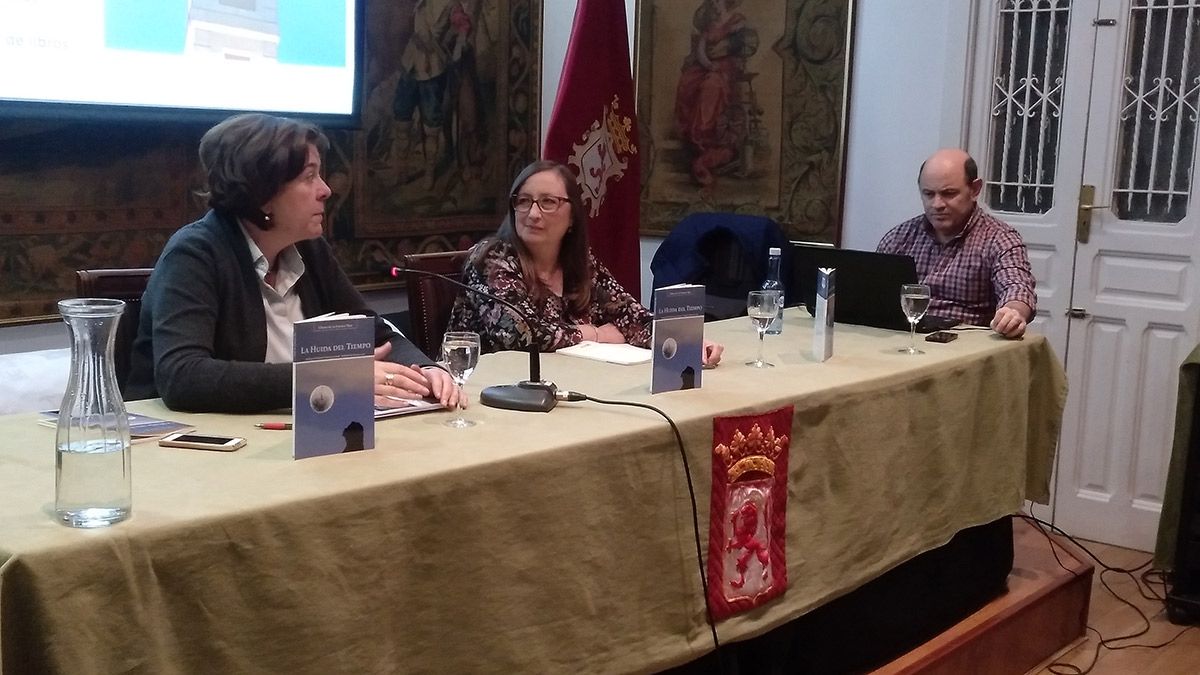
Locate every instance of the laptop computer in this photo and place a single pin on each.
(867, 287)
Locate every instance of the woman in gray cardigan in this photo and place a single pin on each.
(216, 324)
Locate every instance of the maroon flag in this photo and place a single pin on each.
(593, 130)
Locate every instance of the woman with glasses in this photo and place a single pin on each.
(539, 260)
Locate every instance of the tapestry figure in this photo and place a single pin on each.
(716, 114)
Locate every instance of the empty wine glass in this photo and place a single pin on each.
(914, 300)
(460, 353)
(762, 306)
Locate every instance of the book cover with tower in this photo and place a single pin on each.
(333, 393)
(677, 345)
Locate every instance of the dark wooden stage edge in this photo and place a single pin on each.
(883, 618)
(991, 601)
(1044, 610)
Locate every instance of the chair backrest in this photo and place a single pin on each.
(118, 284)
(430, 299)
(727, 252)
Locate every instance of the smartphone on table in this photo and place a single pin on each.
(202, 442)
(941, 336)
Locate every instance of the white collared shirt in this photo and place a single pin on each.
(281, 302)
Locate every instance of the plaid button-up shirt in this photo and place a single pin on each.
(970, 276)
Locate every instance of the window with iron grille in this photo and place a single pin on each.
(1156, 139)
(1026, 106)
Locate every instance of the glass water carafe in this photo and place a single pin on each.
(92, 485)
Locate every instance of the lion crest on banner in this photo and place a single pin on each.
(602, 154)
(747, 562)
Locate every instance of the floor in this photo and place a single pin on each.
(1133, 644)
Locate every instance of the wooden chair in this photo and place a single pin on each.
(118, 284)
(429, 298)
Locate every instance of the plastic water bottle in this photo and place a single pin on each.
(772, 283)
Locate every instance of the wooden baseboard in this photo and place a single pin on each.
(1044, 610)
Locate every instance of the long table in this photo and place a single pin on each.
(557, 542)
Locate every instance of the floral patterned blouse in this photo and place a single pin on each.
(500, 329)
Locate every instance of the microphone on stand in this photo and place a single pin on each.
(532, 395)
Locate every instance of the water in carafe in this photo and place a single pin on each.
(92, 456)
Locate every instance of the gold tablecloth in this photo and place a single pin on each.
(557, 542)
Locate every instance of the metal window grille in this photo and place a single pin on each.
(1157, 129)
(1027, 90)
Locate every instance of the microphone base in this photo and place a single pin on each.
(525, 397)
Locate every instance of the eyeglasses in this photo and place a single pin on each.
(547, 204)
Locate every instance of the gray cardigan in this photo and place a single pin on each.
(202, 336)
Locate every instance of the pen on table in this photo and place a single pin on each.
(274, 426)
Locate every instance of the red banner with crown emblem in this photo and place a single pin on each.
(593, 130)
(747, 562)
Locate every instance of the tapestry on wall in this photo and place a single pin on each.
(449, 115)
(740, 106)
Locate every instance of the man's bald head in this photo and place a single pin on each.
(953, 155)
(949, 184)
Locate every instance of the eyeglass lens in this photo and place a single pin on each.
(524, 203)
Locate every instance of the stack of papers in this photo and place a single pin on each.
(141, 427)
(621, 354)
(406, 406)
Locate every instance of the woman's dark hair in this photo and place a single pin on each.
(573, 255)
(248, 158)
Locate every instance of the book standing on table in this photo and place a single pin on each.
(677, 344)
(333, 392)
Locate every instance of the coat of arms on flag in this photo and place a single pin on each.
(747, 563)
(602, 154)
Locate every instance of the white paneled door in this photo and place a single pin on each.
(1084, 119)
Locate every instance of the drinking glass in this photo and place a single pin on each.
(460, 353)
(762, 306)
(914, 300)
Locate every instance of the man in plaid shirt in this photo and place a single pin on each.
(975, 265)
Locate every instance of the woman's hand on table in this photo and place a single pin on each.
(711, 353)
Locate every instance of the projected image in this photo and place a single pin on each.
(181, 54)
(239, 30)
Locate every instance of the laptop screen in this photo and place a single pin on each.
(866, 288)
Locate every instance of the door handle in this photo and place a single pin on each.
(1077, 313)
(1083, 217)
